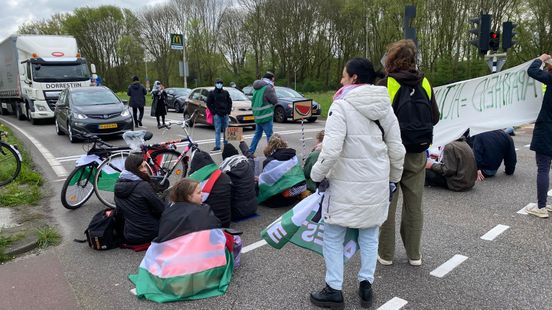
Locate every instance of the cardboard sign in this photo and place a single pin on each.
(234, 133)
(302, 109)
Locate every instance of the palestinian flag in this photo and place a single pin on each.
(278, 176)
(206, 182)
(194, 266)
(304, 226)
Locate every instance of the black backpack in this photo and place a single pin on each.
(105, 230)
(412, 106)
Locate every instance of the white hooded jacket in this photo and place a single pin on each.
(358, 160)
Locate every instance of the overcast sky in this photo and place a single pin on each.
(14, 13)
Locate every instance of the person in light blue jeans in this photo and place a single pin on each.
(259, 129)
(221, 123)
(361, 158)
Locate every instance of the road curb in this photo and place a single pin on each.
(20, 249)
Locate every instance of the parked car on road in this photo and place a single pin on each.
(284, 108)
(241, 114)
(94, 110)
(176, 98)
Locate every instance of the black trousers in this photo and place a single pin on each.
(137, 118)
(434, 179)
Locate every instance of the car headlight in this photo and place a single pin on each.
(40, 108)
(125, 113)
(79, 115)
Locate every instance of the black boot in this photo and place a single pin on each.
(328, 298)
(365, 293)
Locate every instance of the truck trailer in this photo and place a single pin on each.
(34, 69)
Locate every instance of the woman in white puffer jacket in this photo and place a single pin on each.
(362, 155)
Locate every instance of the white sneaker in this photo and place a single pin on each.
(534, 210)
(415, 262)
(384, 262)
(548, 208)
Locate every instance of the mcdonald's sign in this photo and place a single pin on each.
(177, 41)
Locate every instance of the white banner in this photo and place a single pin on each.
(496, 101)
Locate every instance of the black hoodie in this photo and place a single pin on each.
(413, 78)
(137, 93)
(141, 209)
(183, 218)
(220, 196)
(241, 171)
(281, 155)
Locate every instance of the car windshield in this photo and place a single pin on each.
(60, 72)
(93, 97)
(287, 93)
(236, 95)
(182, 91)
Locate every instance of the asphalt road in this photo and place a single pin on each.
(510, 272)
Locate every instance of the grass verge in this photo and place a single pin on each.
(6, 241)
(48, 236)
(26, 188)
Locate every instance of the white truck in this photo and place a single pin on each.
(34, 69)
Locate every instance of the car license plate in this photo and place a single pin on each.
(108, 126)
(248, 118)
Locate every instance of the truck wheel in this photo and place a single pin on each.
(18, 113)
(30, 117)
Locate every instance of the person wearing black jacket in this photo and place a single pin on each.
(137, 100)
(220, 196)
(490, 149)
(541, 143)
(187, 214)
(220, 104)
(137, 202)
(241, 171)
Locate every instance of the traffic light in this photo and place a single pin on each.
(494, 41)
(507, 35)
(482, 29)
(409, 15)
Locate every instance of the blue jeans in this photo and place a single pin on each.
(543, 178)
(334, 236)
(221, 123)
(267, 128)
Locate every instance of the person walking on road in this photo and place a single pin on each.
(220, 104)
(263, 102)
(541, 143)
(159, 106)
(137, 93)
(414, 104)
(361, 158)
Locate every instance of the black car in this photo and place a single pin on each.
(284, 107)
(176, 98)
(94, 110)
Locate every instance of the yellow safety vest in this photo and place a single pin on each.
(393, 87)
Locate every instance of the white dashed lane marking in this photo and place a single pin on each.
(448, 266)
(495, 232)
(523, 211)
(253, 246)
(394, 304)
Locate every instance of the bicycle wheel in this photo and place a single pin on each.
(165, 162)
(10, 164)
(78, 187)
(106, 177)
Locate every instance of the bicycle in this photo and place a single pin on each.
(82, 181)
(10, 161)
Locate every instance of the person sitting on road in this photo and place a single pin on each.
(311, 160)
(137, 202)
(282, 175)
(490, 149)
(191, 257)
(216, 185)
(457, 171)
(241, 171)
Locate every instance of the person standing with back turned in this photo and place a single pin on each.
(414, 105)
(542, 138)
(137, 93)
(263, 102)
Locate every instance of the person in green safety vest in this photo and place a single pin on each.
(263, 102)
